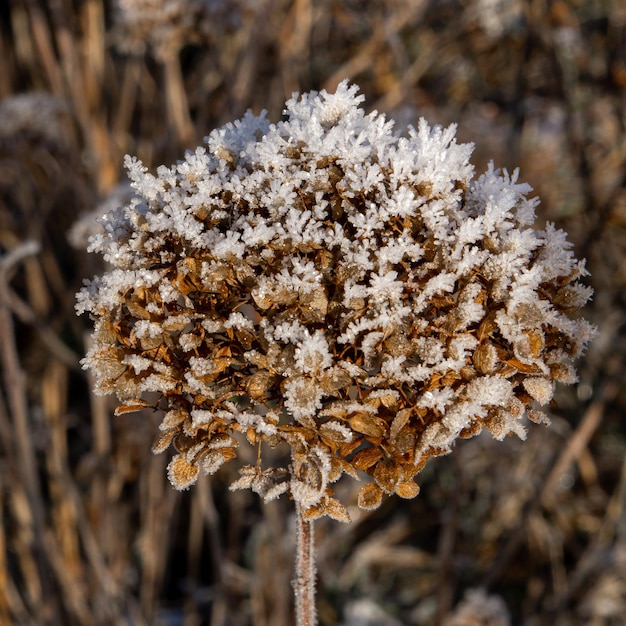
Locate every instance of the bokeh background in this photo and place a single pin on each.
(529, 533)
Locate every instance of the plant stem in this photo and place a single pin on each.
(304, 581)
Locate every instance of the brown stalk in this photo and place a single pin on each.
(157, 509)
(15, 385)
(176, 97)
(304, 580)
(44, 48)
(4, 572)
(14, 377)
(25, 313)
(576, 444)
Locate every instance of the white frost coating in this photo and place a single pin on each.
(326, 268)
(312, 354)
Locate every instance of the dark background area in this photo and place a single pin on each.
(530, 533)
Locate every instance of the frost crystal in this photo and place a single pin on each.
(325, 284)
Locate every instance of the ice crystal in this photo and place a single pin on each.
(325, 284)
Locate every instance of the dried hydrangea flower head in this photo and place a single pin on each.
(326, 284)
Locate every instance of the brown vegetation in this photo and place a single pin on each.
(91, 531)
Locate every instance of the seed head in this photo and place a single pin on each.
(328, 285)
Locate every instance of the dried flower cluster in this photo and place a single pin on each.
(324, 283)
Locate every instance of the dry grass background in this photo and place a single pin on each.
(527, 533)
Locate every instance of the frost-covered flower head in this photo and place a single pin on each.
(325, 284)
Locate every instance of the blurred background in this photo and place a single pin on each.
(530, 533)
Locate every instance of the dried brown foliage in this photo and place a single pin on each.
(99, 536)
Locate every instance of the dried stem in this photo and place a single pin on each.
(15, 380)
(304, 581)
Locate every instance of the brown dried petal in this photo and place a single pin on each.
(334, 434)
(368, 425)
(541, 389)
(247, 475)
(388, 474)
(314, 306)
(173, 418)
(364, 459)
(563, 373)
(399, 422)
(212, 460)
(334, 379)
(496, 423)
(370, 497)
(150, 343)
(333, 508)
(137, 311)
(259, 384)
(182, 473)
(485, 358)
(184, 443)
(348, 469)
(132, 406)
(163, 440)
(525, 368)
(175, 323)
(538, 417)
(388, 400)
(407, 489)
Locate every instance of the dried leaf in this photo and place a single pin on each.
(151, 343)
(275, 491)
(334, 409)
(471, 430)
(348, 469)
(334, 379)
(563, 373)
(313, 512)
(487, 326)
(336, 469)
